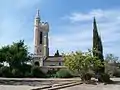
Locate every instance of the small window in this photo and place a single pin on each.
(40, 50)
(59, 63)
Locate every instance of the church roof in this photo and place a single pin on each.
(53, 67)
(54, 58)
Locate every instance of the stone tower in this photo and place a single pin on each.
(41, 30)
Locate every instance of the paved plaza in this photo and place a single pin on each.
(93, 87)
(97, 87)
(31, 83)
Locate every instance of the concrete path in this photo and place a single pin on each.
(97, 87)
(30, 83)
(93, 87)
(41, 79)
(12, 87)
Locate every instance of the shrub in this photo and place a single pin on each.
(51, 73)
(116, 73)
(63, 73)
(86, 76)
(27, 74)
(0, 70)
(36, 72)
(104, 78)
(5, 71)
(1, 65)
(16, 73)
(25, 68)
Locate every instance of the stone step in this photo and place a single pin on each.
(63, 86)
(55, 86)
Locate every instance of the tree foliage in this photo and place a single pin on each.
(4, 53)
(97, 45)
(36, 72)
(110, 58)
(81, 62)
(112, 65)
(16, 55)
(57, 53)
(63, 73)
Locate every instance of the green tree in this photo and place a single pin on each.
(110, 58)
(16, 55)
(3, 53)
(81, 63)
(57, 53)
(112, 65)
(97, 45)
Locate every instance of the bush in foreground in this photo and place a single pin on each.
(36, 72)
(5, 71)
(116, 73)
(86, 77)
(16, 73)
(104, 77)
(51, 73)
(63, 73)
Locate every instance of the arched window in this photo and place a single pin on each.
(36, 63)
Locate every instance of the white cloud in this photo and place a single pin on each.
(78, 16)
(79, 35)
(98, 13)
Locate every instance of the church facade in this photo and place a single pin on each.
(41, 56)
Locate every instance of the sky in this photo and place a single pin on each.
(70, 22)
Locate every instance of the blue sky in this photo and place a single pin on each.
(70, 23)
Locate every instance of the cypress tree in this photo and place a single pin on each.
(57, 53)
(97, 45)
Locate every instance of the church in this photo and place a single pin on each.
(41, 56)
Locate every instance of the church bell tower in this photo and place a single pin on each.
(41, 30)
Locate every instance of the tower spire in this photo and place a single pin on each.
(38, 14)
